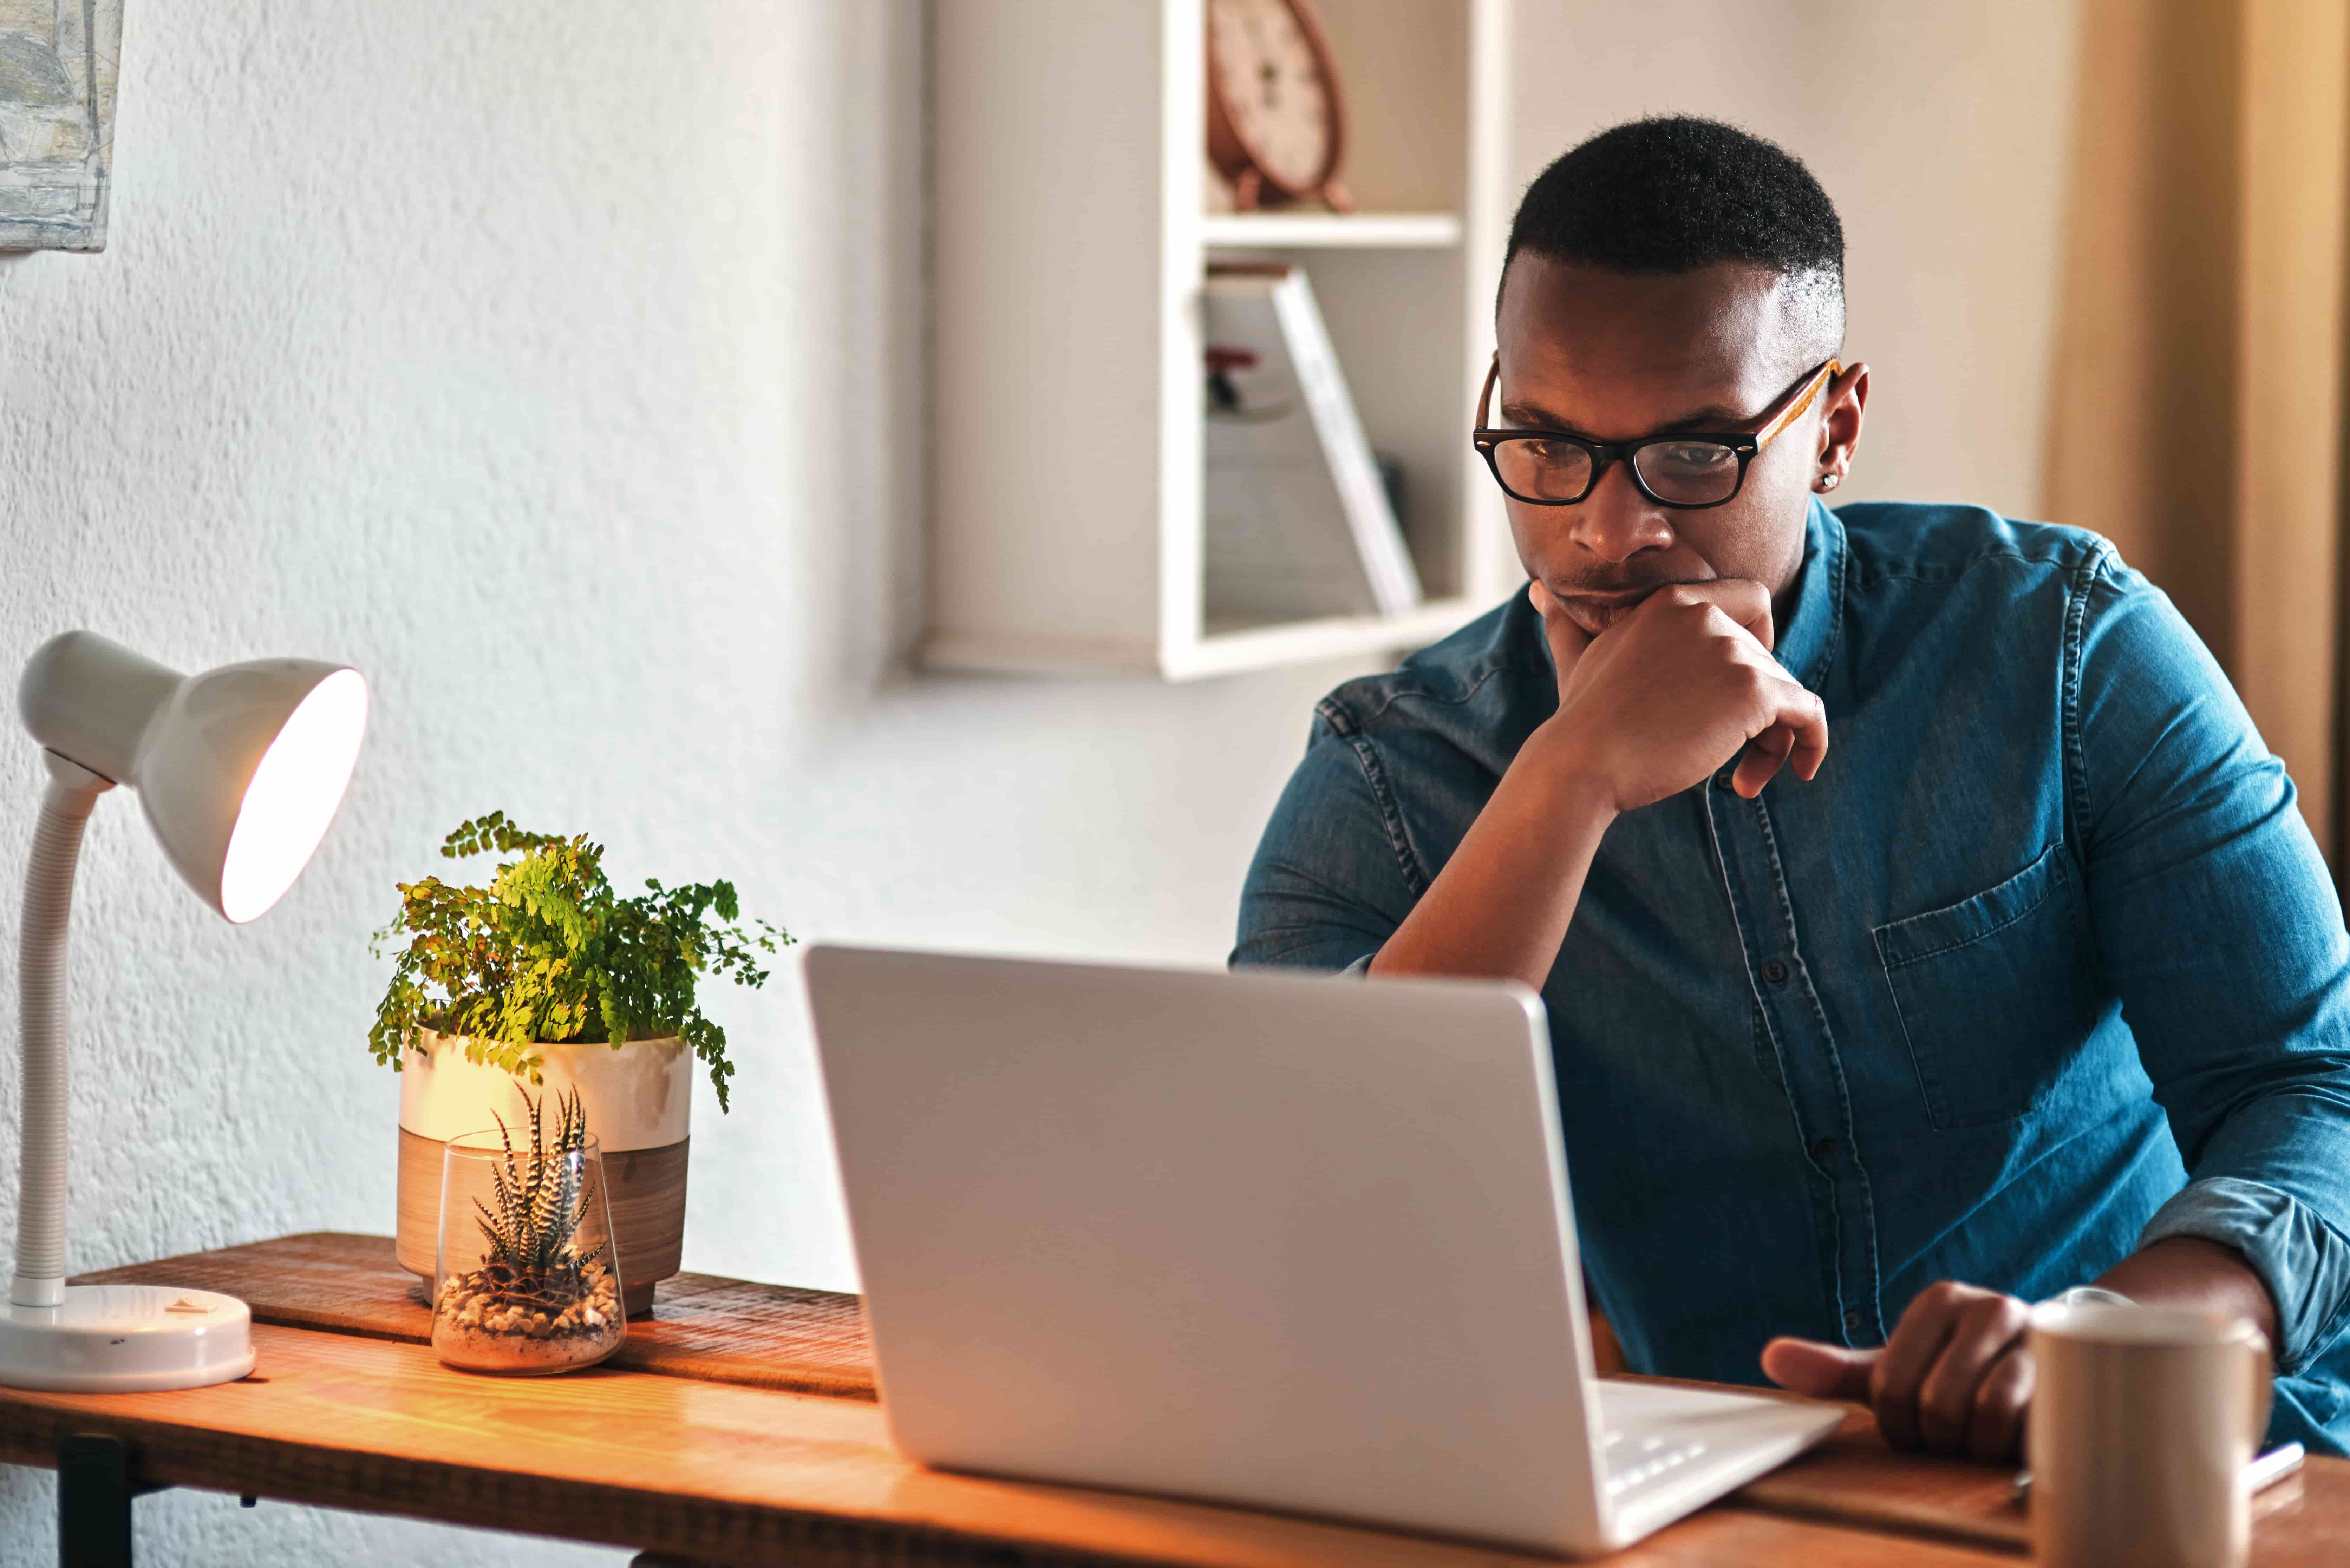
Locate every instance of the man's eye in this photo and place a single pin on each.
(1689, 457)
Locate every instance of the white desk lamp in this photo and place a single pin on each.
(240, 770)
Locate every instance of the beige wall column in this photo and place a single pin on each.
(2289, 368)
(2196, 384)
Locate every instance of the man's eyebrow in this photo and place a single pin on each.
(1711, 416)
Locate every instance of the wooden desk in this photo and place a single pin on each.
(700, 1448)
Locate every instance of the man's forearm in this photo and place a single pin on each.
(1501, 907)
(2188, 1272)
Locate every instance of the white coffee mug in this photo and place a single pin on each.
(2142, 1421)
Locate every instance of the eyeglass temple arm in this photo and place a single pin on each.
(1771, 432)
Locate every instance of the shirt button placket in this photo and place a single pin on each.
(1812, 1069)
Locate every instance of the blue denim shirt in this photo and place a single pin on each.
(2043, 967)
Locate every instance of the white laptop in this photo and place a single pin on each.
(1288, 1242)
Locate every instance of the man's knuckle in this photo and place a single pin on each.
(2010, 1379)
(1998, 1394)
(1983, 1315)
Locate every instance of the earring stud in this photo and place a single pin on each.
(1827, 482)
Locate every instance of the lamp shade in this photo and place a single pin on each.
(239, 769)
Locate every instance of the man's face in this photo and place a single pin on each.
(1617, 356)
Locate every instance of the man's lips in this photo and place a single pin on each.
(1596, 611)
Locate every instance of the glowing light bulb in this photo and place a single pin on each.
(293, 795)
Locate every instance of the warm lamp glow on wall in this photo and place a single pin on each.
(240, 770)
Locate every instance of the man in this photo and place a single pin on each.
(1923, 927)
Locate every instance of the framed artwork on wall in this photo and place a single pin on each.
(57, 60)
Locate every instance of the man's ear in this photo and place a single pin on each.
(1846, 396)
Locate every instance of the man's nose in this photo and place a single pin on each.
(1616, 522)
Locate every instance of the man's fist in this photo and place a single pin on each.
(1675, 688)
(1954, 1378)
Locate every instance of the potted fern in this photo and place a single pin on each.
(547, 976)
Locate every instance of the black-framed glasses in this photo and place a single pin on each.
(1690, 468)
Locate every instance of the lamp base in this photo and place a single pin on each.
(126, 1339)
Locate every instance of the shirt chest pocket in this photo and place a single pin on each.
(1994, 992)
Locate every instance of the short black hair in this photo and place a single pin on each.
(1675, 193)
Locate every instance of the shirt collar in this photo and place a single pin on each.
(1807, 643)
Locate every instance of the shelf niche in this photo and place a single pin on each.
(1072, 228)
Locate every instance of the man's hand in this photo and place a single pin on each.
(1954, 1378)
(1646, 709)
(1662, 698)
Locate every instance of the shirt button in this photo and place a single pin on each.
(1853, 1320)
(1722, 780)
(1823, 1151)
(1775, 972)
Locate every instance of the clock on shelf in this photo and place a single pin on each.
(1276, 125)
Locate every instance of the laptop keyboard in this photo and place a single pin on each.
(1634, 1461)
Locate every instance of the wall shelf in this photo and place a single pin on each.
(1217, 650)
(1330, 231)
(1071, 233)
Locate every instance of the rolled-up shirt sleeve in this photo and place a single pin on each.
(1328, 886)
(2300, 1257)
(2219, 925)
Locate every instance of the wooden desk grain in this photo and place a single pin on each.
(730, 1474)
(719, 1342)
(702, 1326)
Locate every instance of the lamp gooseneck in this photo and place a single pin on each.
(41, 1014)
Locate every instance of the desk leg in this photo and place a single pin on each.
(94, 1494)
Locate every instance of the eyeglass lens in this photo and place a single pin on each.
(1689, 472)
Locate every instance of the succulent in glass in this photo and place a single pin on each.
(526, 1280)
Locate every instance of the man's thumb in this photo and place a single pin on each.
(1822, 1371)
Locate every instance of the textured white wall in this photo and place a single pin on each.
(527, 355)
(1939, 128)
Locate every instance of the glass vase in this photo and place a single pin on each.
(525, 1279)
